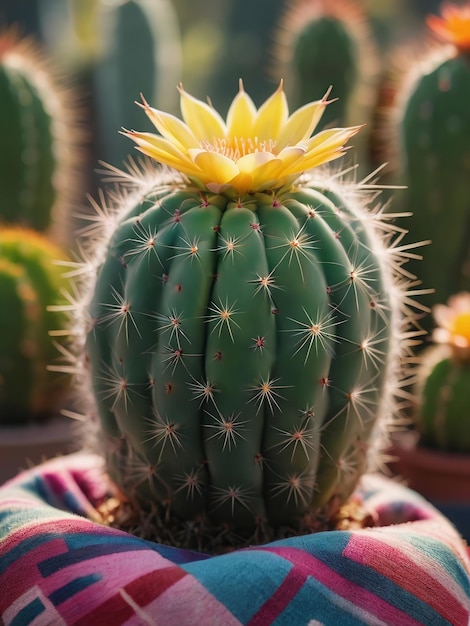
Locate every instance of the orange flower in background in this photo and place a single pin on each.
(453, 323)
(454, 25)
(254, 149)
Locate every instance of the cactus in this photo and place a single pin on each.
(443, 387)
(243, 324)
(140, 51)
(38, 130)
(432, 122)
(29, 283)
(323, 43)
(244, 48)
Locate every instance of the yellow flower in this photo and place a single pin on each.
(453, 27)
(453, 323)
(252, 150)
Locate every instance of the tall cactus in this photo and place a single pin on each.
(432, 123)
(243, 324)
(29, 283)
(323, 43)
(39, 139)
(140, 51)
(443, 387)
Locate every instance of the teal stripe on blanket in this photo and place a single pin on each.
(225, 574)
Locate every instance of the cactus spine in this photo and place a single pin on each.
(29, 283)
(140, 51)
(443, 387)
(242, 335)
(433, 123)
(38, 131)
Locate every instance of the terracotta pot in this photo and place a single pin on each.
(438, 476)
(21, 447)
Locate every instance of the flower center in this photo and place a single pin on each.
(236, 147)
(461, 325)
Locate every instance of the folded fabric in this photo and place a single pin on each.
(59, 566)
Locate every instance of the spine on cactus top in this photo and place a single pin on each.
(140, 52)
(242, 323)
(30, 281)
(38, 127)
(324, 43)
(431, 121)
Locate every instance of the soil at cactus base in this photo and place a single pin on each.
(205, 536)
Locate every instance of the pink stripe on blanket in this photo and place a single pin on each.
(413, 571)
(308, 565)
(139, 564)
(22, 572)
(186, 603)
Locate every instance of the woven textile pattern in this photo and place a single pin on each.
(59, 566)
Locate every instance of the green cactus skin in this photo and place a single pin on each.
(37, 137)
(140, 53)
(434, 132)
(29, 283)
(242, 353)
(443, 415)
(324, 43)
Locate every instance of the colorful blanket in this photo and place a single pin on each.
(58, 566)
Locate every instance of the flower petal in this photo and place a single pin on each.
(242, 183)
(253, 160)
(172, 128)
(163, 151)
(331, 138)
(257, 170)
(203, 120)
(241, 115)
(326, 146)
(291, 155)
(215, 167)
(301, 123)
(271, 116)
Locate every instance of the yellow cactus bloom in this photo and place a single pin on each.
(453, 27)
(453, 323)
(254, 149)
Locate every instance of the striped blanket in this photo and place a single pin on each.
(59, 566)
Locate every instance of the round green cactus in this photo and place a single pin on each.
(243, 327)
(29, 283)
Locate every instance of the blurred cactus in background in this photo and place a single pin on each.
(30, 281)
(139, 51)
(443, 387)
(38, 128)
(327, 44)
(245, 50)
(429, 128)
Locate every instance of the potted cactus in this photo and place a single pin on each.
(31, 394)
(434, 457)
(242, 325)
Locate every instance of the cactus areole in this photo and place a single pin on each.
(243, 322)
